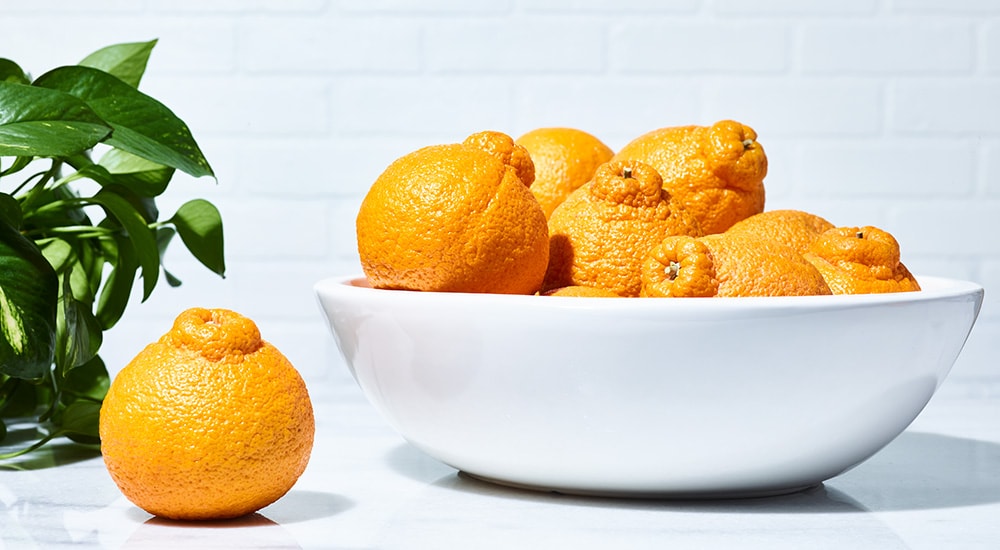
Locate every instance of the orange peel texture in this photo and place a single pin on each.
(208, 422)
(600, 234)
(717, 172)
(860, 260)
(565, 159)
(725, 265)
(455, 218)
(795, 228)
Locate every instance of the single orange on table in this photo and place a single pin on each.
(455, 218)
(565, 159)
(208, 422)
(728, 265)
(717, 172)
(600, 234)
(795, 228)
(860, 260)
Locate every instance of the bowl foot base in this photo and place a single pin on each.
(651, 494)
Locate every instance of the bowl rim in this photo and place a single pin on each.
(932, 288)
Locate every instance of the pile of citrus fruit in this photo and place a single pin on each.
(677, 212)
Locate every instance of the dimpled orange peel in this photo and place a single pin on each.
(795, 228)
(208, 422)
(860, 260)
(726, 265)
(581, 292)
(455, 218)
(600, 234)
(565, 159)
(717, 172)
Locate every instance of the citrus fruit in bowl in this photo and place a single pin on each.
(699, 397)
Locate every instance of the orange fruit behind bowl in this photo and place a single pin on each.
(728, 265)
(717, 172)
(565, 159)
(860, 260)
(601, 233)
(208, 422)
(455, 218)
(579, 291)
(795, 228)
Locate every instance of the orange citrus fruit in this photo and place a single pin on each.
(717, 172)
(600, 234)
(565, 159)
(455, 218)
(208, 422)
(860, 260)
(728, 265)
(794, 228)
(581, 291)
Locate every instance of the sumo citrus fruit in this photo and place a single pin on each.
(208, 422)
(600, 234)
(565, 159)
(455, 218)
(717, 172)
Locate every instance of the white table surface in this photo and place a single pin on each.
(937, 486)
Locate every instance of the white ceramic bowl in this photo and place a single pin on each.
(693, 397)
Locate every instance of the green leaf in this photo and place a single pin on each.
(142, 176)
(141, 236)
(18, 164)
(126, 61)
(142, 125)
(89, 381)
(199, 224)
(143, 202)
(28, 291)
(85, 273)
(164, 235)
(46, 123)
(10, 210)
(78, 334)
(59, 253)
(80, 421)
(12, 72)
(117, 289)
(18, 397)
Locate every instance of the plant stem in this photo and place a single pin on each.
(25, 183)
(81, 231)
(49, 174)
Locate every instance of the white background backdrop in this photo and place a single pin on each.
(872, 112)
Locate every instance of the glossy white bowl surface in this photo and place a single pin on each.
(717, 397)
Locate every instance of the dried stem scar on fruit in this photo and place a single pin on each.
(727, 265)
(599, 235)
(717, 172)
(860, 260)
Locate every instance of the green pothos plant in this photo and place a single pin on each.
(83, 156)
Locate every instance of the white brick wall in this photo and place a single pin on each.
(882, 112)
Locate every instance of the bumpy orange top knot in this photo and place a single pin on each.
(679, 266)
(629, 182)
(502, 146)
(739, 159)
(214, 333)
(860, 260)
(726, 264)
(717, 172)
(600, 234)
